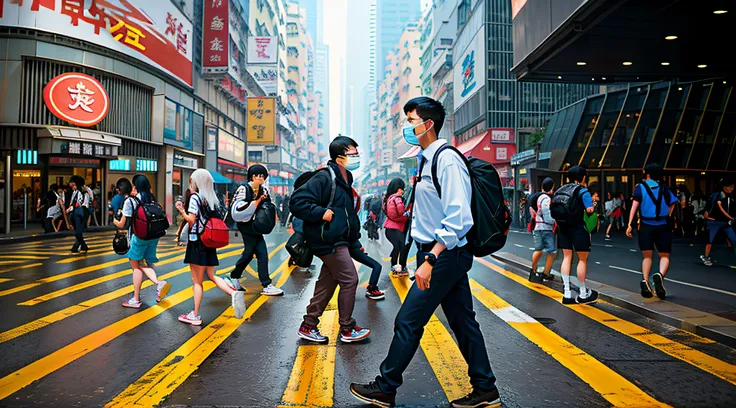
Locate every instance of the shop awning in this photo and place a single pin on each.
(219, 178)
(481, 147)
(411, 153)
(231, 164)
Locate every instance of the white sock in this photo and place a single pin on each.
(583, 290)
(566, 282)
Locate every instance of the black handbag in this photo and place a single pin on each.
(299, 250)
(264, 219)
(120, 243)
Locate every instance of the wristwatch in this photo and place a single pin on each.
(431, 259)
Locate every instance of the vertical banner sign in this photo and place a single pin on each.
(215, 43)
(261, 127)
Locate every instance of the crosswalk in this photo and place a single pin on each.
(67, 341)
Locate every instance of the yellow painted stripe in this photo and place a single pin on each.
(17, 268)
(92, 282)
(62, 251)
(106, 253)
(677, 350)
(441, 351)
(10, 262)
(160, 381)
(35, 371)
(3, 280)
(22, 257)
(86, 305)
(613, 387)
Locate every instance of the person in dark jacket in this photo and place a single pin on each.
(329, 228)
(285, 213)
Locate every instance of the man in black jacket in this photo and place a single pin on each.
(330, 226)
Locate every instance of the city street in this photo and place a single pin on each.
(67, 341)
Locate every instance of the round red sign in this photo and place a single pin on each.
(77, 98)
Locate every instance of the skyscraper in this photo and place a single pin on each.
(315, 21)
(392, 16)
(357, 74)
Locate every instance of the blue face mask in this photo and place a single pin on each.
(353, 163)
(409, 136)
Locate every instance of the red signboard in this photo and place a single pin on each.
(77, 98)
(215, 41)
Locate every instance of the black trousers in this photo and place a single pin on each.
(253, 244)
(400, 251)
(80, 223)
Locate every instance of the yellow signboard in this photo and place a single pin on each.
(261, 121)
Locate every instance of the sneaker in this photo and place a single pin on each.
(238, 300)
(374, 293)
(549, 277)
(407, 272)
(659, 285)
(234, 283)
(353, 334)
(271, 290)
(568, 300)
(371, 394)
(479, 398)
(707, 261)
(310, 333)
(608, 237)
(162, 289)
(646, 290)
(132, 303)
(191, 319)
(591, 298)
(396, 270)
(535, 276)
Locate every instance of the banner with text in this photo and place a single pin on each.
(261, 120)
(215, 37)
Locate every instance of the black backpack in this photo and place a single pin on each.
(491, 216)
(264, 219)
(566, 206)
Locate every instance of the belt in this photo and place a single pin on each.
(425, 247)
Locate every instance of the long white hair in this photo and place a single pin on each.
(204, 185)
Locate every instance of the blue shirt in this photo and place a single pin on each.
(668, 199)
(449, 219)
(116, 203)
(586, 197)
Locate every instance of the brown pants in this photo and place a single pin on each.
(337, 269)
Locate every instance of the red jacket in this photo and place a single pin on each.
(395, 218)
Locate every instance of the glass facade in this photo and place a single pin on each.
(681, 126)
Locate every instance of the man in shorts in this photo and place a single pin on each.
(655, 202)
(544, 236)
(720, 214)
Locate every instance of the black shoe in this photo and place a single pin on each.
(568, 301)
(549, 277)
(646, 291)
(659, 285)
(371, 393)
(535, 276)
(591, 298)
(479, 398)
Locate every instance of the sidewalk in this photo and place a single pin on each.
(700, 299)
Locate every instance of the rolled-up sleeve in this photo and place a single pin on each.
(454, 180)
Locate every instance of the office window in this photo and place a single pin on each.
(663, 138)
(726, 137)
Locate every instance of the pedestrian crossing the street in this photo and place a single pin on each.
(67, 341)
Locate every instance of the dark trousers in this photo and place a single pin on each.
(253, 244)
(400, 249)
(451, 289)
(284, 216)
(48, 225)
(366, 260)
(79, 218)
(337, 269)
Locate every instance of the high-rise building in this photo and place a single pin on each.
(322, 85)
(357, 70)
(391, 18)
(314, 10)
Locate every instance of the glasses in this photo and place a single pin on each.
(260, 176)
(414, 121)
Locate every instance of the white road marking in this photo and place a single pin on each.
(520, 246)
(510, 314)
(597, 263)
(531, 249)
(725, 292)
(632, 250)
(609, 246)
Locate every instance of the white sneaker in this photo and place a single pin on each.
(271, 290)
(233, 283)
(396, 269)
(238, 304)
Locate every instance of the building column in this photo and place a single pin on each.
(8, 191)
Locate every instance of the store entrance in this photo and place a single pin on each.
(26, 195)
(92, 177)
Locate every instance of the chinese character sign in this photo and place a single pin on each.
(469, 70)
(262, 50)
(154, 32)
(215, 46)
(77, 98)
(261, 120)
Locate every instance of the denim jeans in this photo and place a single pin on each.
(80, 223)
(366, 260)
(451, 289)
(252, 244)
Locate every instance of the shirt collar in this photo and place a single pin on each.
(432, 148)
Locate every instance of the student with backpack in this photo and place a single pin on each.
(397, 215)
(544, 236)
(720, 213)
(358, 253)
(569, 205)
(247, 199)
(142, 239)
(206, 230)
(655, 202)
(442, 222)
(79, 208)
(325, 201)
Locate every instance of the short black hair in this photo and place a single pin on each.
(654, 170)
(78, 180)
(548, 184)
(257, 170)
(427, 109)
(577, 173)
(124, 185)
(54, 187)
(340, 145)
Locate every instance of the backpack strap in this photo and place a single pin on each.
(656, 200)
(435, 159)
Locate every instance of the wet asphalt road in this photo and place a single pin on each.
(66, 341)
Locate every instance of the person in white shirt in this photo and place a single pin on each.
(202, 259)
(55, 213)
(79, 209)
(544, 237)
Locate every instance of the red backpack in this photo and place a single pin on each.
(216, 233)
(149, 220)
